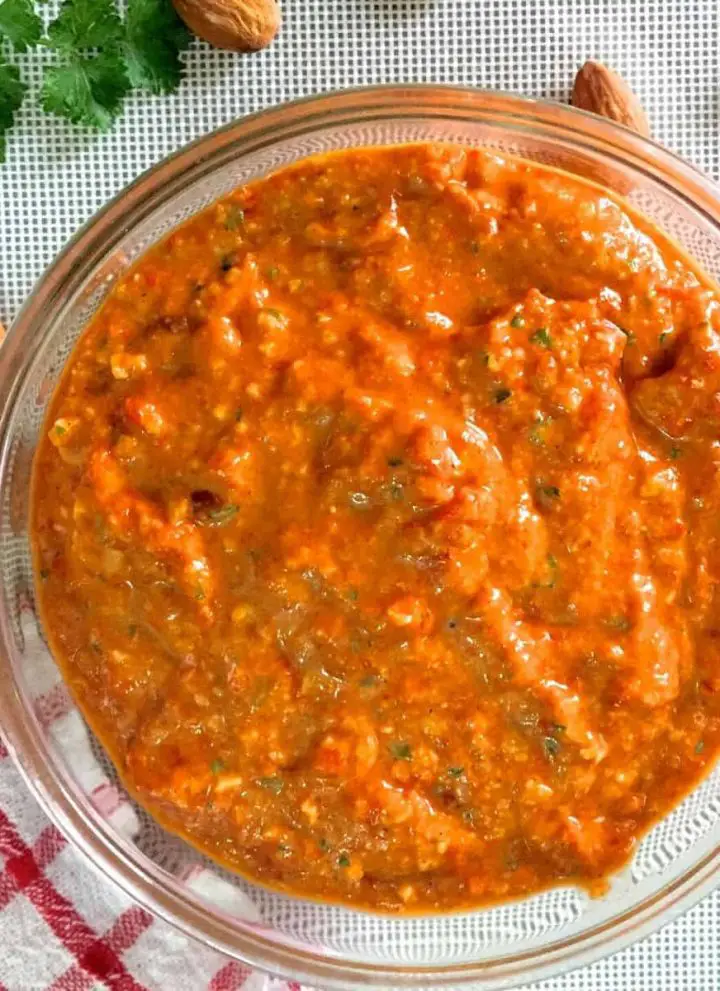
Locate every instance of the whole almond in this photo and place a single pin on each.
(604, 92)
(242, 25)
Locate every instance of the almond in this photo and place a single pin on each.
(243, 25)
(602, 91)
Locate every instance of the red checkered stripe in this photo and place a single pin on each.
(97, 957)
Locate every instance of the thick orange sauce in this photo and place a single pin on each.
(376, 529)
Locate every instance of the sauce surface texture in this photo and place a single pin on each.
(376, 529)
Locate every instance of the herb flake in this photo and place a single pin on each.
(547, 495)
(541, 337)
(273, 785)
(551, 746)
(234, 218)
(401, 750)
(220, 516)
(619, 622)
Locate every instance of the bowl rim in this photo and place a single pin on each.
(82, 258)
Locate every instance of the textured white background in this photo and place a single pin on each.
(56, 176)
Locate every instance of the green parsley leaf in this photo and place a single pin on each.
(552, 576)
(621, 623)
(699, 746)
(401, 750)
(275, 315)
(551, 746)
(102, 57)
(541, 337)
(343, 860)
(220, 516)
(275, 785)
(20, 24)
(87, 90)
(217, 765)
(456, 772)
(154, 38)
(12, 93)
(547, 495)
(517, 321)
(235, 217)
(85, 24)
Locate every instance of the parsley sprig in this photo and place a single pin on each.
(12, 94)
(98, 57)
(19, 24)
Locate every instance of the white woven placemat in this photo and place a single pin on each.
(56, 176)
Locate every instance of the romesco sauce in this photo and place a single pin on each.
(376, 529)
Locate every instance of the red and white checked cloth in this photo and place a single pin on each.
(62, 928)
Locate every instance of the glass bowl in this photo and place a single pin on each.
(322, 944)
